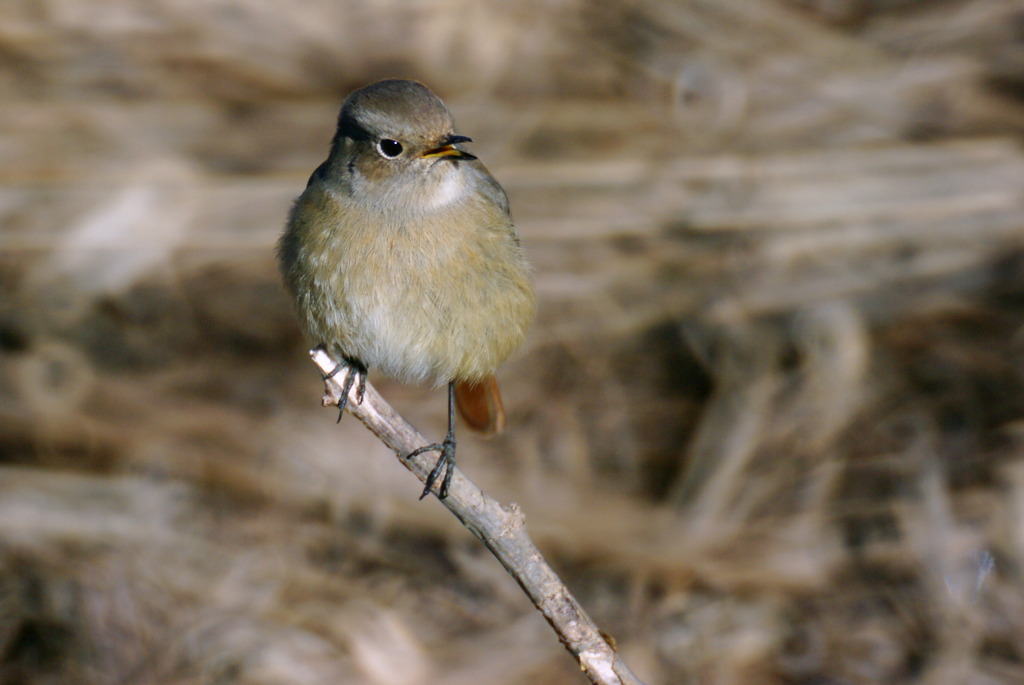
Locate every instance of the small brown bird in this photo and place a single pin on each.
(401, 256)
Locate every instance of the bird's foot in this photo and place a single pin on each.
(354, 369)
(445, 462)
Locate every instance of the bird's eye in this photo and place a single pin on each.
(389, 148)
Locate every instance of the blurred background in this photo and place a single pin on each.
(769, 425)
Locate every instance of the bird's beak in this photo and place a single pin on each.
(448, 149)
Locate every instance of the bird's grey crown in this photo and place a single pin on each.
(396, 108)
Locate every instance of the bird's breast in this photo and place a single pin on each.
(427, 297)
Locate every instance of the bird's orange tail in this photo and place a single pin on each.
(480, 405)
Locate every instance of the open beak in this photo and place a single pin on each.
(448, 149)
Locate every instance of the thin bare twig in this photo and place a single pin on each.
(501, 528)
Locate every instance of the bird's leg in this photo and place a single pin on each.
(445, 450)
(354, 368)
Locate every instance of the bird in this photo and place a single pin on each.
(401, 256)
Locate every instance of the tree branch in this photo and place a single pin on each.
(501, 529)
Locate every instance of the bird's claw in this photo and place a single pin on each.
(354, 369)
(445, 462)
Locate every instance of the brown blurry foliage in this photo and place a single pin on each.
(768, 427)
